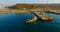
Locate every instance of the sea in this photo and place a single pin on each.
(16, 23)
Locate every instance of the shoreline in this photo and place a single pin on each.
(53, 12)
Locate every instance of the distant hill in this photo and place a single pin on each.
(30, 6)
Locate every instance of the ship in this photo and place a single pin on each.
(33, 20)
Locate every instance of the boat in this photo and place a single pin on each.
(46, 18)
(33, 20)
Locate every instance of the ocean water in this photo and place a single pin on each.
(16, 23)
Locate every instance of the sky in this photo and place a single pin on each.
(12, 2)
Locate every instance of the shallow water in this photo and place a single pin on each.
(15, 23)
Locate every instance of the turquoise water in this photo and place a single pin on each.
(15, 23)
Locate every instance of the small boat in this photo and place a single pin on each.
(33, 20)
(46, 18)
